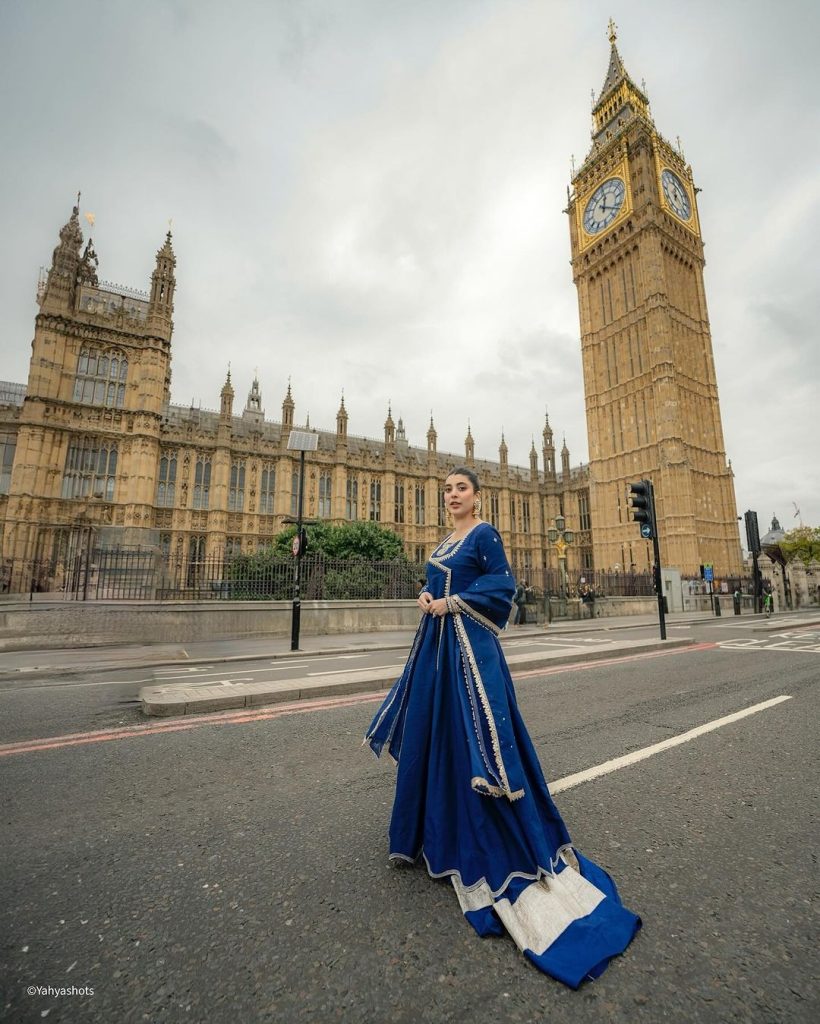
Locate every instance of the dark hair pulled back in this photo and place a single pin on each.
(469, 473)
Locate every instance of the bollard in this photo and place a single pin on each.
(737, 603)
(717, 605)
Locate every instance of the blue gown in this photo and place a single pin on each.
(471, 798)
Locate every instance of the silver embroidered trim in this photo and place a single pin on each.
(541, 872)
(411, 658)
(471, 613)
(482, 695)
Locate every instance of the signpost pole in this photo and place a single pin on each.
(301, 441)
(296, 618)
(658, 576)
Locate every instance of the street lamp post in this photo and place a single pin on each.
(299, 441)
(561, 538)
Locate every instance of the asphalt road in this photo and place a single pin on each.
(234, 868)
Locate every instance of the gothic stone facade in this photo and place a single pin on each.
(649, 377)
(92, 443)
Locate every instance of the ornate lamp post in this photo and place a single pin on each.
(561, 538)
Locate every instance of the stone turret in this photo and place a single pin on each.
(226, 396)
(253, 411)
(288, 408)
(548, 450)
(163, 283)
(432, 436)
(341, 422)
(60, 288)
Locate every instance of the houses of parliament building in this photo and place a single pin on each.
(93, 442)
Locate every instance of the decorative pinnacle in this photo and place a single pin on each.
(613, 31)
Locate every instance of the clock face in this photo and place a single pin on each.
(604, 205)
(676, 194)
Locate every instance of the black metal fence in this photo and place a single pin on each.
(142, 574)
(554, 583)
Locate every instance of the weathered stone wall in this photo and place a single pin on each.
(43, 625)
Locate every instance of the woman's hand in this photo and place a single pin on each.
(425, 599)
(438, 608)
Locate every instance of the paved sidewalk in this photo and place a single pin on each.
(86, 660)
(175, 698)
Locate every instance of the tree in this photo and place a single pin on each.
(802, 544)
(360, 540)
(349, 561)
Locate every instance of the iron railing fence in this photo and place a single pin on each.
(143, 574)
(116, 574)
(265, 578)
(721, 585)
(553, 583)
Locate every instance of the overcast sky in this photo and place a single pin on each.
(367, 195)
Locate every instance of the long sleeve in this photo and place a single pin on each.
(489, 596)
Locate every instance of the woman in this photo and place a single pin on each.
(470, 794)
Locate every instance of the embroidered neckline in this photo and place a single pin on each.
(447, 552)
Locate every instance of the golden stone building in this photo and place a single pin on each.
(649, 376)
(92, 445)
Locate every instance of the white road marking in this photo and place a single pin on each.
(806, 642)
(570, 781)
(570, 641)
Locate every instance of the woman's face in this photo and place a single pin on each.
(459, 494)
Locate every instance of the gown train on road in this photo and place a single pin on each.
(471, 798)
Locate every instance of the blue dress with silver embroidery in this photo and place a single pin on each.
(471, 798)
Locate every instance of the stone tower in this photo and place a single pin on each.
(649, 377)
(89, 428)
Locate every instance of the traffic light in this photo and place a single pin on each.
(752, 533)
(642, 503)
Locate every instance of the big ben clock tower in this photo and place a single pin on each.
(649, 377)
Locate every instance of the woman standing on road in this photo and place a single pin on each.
(471, 798)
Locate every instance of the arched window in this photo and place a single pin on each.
(166, 485)
(90, 469)
(352, 498)
(100, 378)
(236, 493)
(494, 514)
(267, 489)
(420, 506)
(398, 495)
(294, 493)
(376, 501)
(325, 485)
(202, 482)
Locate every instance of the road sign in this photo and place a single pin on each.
(708, 573)
(646, 530)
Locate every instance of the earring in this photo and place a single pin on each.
(476, 508)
